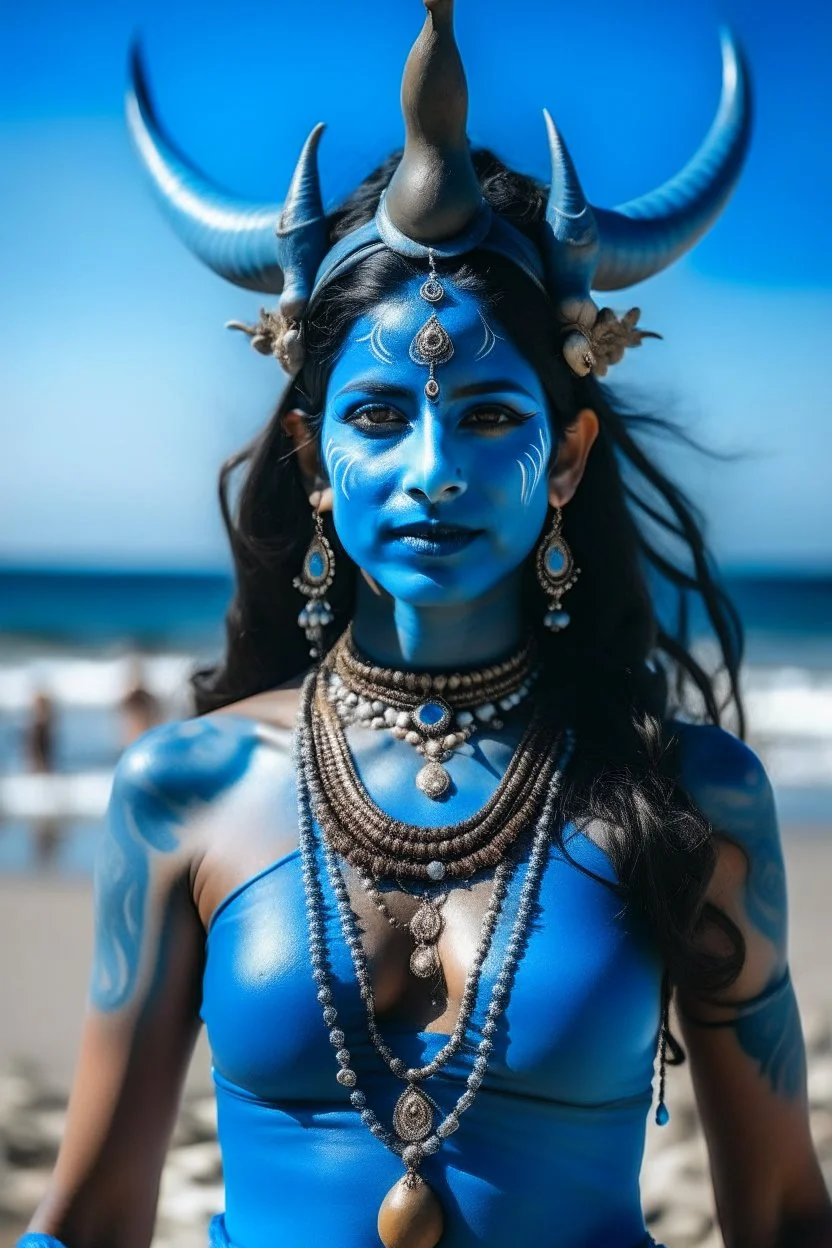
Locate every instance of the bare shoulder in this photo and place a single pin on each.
(729, 784)
(169, 782)
(276, 708)
(183, 764)
(725, 778)
(210, 800)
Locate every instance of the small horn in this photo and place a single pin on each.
(435, 193)
(302, 234)
(572, 238)
(233, 237)
(644, 236)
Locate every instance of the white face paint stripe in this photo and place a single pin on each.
(376, 343)
(489, 341)
(532, 470)
(343, 463)
(339, 462)
(523, 483)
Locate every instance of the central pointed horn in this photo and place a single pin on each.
(435, 193)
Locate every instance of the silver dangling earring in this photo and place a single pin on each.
(556, 572)
(316, 576)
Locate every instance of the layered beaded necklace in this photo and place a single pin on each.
(436, 714)
(411, 1215)
(387, 848)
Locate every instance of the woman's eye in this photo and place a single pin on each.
(491, 418)
(376, 417)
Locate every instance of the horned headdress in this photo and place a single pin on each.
(434, 207)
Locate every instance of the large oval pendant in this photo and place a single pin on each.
(410, 1215)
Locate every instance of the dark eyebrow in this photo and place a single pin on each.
(382, 389)
(491, 386)
(475, 389)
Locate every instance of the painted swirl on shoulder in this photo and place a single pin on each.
(160, 781)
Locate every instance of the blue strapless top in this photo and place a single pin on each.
(550, 1152)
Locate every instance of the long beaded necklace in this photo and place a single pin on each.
(410, 1215)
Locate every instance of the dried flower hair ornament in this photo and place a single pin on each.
(275, 335)
(596, 340)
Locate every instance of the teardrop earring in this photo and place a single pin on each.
(316, 576)
(556, 572)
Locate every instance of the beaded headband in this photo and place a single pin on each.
(434, 204)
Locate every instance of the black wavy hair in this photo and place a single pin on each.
(617, 673)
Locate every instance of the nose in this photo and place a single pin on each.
(431, 473)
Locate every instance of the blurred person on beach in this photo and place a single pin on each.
(40, 735)
(432, 895)
(40, 756)
(140, 709)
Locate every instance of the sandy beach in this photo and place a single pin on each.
(45, 948)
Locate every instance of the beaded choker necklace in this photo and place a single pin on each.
(434, 712)
(373, 842)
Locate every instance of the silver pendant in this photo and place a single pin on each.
(413, 1116)
(426, 924)
(433, 780)
(424, 962)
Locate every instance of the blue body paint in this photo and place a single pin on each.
(731, 788)
(162, 778)
(729, 784)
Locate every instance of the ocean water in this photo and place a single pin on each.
(82, 639)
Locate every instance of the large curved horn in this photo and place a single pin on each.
(234, 238)
(435, 193)
(644, 236)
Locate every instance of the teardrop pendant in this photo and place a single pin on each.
(556, 573)
(413, 1116)
(432, 344)
(433, 780)
(410, 1215)
(424, 962)
(317, 565)
(426, 924)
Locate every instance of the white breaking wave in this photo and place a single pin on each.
(82, 682)
(80, 796)
(789, 702)
(790, 724)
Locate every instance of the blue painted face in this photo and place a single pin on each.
(439, 500)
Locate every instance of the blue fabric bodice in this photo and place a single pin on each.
(551, 1150)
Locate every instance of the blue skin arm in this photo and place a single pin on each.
(143, 1012)
(749, 1066)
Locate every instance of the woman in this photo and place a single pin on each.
(449, 878)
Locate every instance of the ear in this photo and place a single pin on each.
(305, 448)
(566, 472)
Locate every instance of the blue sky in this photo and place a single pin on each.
(120, 392)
